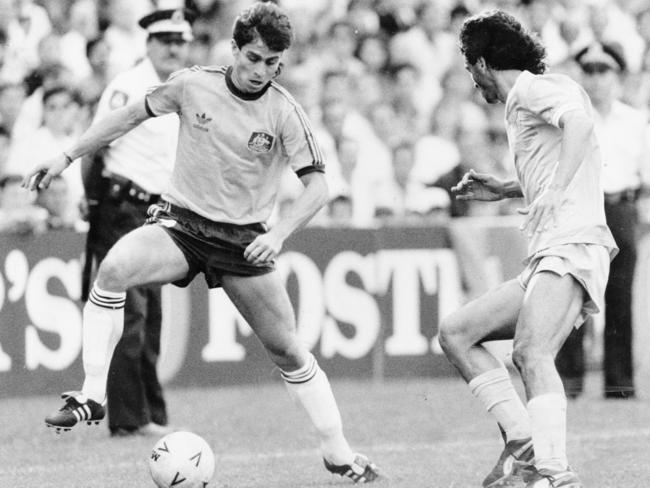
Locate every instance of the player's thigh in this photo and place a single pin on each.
(145, 255)
(551, 308)
(492, 316)
(264, 303)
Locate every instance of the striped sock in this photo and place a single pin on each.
(310, 386)
(103, 322)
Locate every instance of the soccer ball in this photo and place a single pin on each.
(181, 460)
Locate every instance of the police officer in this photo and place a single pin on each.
(620, 130)
(121, 183)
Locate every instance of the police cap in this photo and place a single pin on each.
(169, 22)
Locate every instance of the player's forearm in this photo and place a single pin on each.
(303, 209)
(104, 131)
(512, 189)
(577, 131)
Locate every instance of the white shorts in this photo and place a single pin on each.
(587, 263)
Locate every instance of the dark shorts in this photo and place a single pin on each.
(212, 248)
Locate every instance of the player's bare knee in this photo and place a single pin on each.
(111, 276)
(450, 335)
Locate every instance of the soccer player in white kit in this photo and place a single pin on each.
(549, 122)
(239, 130)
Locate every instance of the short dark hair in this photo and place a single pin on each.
(502, 42)
(266, 21)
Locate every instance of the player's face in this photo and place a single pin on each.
(255, 65)
(483, 80)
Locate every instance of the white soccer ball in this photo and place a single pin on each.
(181, 460)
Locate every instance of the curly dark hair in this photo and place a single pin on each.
(502, 42)
(264, 20)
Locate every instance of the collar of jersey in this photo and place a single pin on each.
(240, 94)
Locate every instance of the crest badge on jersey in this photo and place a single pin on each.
(260, 142)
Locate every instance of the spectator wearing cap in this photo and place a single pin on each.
(121, 183)
(620, 130)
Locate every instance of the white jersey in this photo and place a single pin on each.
(145, 155)
(533, 110)
(233, 147)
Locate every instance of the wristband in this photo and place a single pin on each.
(68, 159)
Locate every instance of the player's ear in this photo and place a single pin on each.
(278, 71)
(481, 64)
(233, 47)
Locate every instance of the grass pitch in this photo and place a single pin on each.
(423, 433)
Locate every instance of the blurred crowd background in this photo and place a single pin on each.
(383, 82)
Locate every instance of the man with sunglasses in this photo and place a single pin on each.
(620, 131)
(121, 181)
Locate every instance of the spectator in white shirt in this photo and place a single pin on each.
(621, 133)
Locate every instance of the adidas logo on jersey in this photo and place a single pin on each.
(202, 120)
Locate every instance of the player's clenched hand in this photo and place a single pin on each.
(541, 214)
(478, 186)
(41, 175)
(264, 249)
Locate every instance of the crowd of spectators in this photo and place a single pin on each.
(382, 81)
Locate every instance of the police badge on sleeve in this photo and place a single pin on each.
(260, 142)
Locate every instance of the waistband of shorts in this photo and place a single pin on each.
(182, 212)
(187, 214)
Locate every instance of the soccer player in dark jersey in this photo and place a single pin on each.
(239, 130)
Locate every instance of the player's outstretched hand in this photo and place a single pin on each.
(478, 186)
(41, 175)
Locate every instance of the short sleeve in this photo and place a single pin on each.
(299, 143)
(550, 97)
(167, 97)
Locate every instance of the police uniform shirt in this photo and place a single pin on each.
(233, 146)
(533, 110)
(622, 139)
(146, 154)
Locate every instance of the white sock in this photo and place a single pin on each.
(103, 322)
(310, 386)
(548, 421)
(495, 390)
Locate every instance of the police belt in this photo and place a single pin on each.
(120, 188)
(629, 195)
